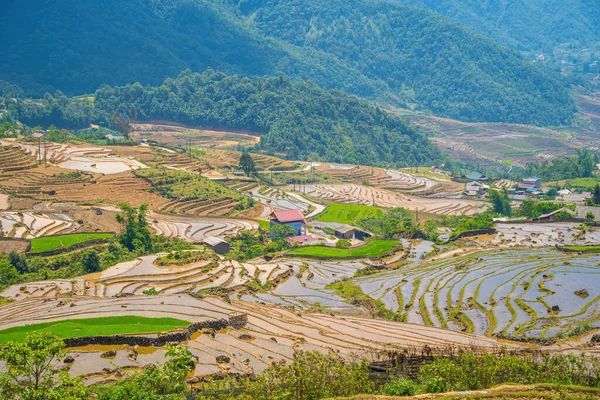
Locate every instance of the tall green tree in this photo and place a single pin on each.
(500, 202)
(33, 371)
(91, 261)
(135, 234)
(596, 195)
(8, 273)
(247, 164)
(19, 262)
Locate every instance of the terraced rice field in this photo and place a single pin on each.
(13, 160)
(42, 244)
(539, 235)
(80, 158)
(59, 184)
(271, 334)
(366, 195)
(497, 292)
(348, 213)
(29, 225)
(373, 249)
(95, 327)
(196, 229)
(173, 135)
(277, 198)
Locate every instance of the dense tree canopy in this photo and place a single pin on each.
(525, 25)
(375, 49)
(296, 118)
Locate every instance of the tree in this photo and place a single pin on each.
(19, 262)
(154, 382)
(247, 164)
(596, 194)
(8, 273)
(135, 234)
(281, 231)
(500, 202)
(32, 370)
(91, 261)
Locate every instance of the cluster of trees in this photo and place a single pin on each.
(560, 168)
(247, 245)
(395, 222)
(378, 50)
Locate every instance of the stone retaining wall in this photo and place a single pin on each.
(148, 341)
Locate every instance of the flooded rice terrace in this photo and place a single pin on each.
(536, 292)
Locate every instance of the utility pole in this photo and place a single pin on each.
(45, 152)
(39, 150)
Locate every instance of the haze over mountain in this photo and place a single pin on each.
(373, 49)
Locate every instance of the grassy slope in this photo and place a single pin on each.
(375, 248)
(56, 242)
(95, 327)
(348, 213)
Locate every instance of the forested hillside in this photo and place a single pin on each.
(525, 25)
(446, 67)
(297, 118)
(374, 49)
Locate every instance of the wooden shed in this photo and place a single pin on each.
(218, 245)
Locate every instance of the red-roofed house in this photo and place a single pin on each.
(293, 218)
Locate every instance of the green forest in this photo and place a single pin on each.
(555, 22)
(378, 50)
(296, 118)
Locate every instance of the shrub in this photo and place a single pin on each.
(311, 376)
(342, 243)
(400, 387)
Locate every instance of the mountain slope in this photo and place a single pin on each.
(448, 69)
(296, 118)
(373, 49)
(524, 25)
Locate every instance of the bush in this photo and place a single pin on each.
(343, 243)
(401, 387)
(311, 376)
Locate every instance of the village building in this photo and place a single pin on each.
(581, 212)
(475, 188)
(110, 136)
(351, 232)
(218, 245)
(531, 184)
(552, 216)
(293, 218)
(576, 198)
(475, 176)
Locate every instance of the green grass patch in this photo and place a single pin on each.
(48, 243)
(264, 225)
(348, 213)
(584, 249)
(585, 183)
(375, 248)
(104, 326)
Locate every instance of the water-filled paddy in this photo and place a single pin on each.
(503, 291)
